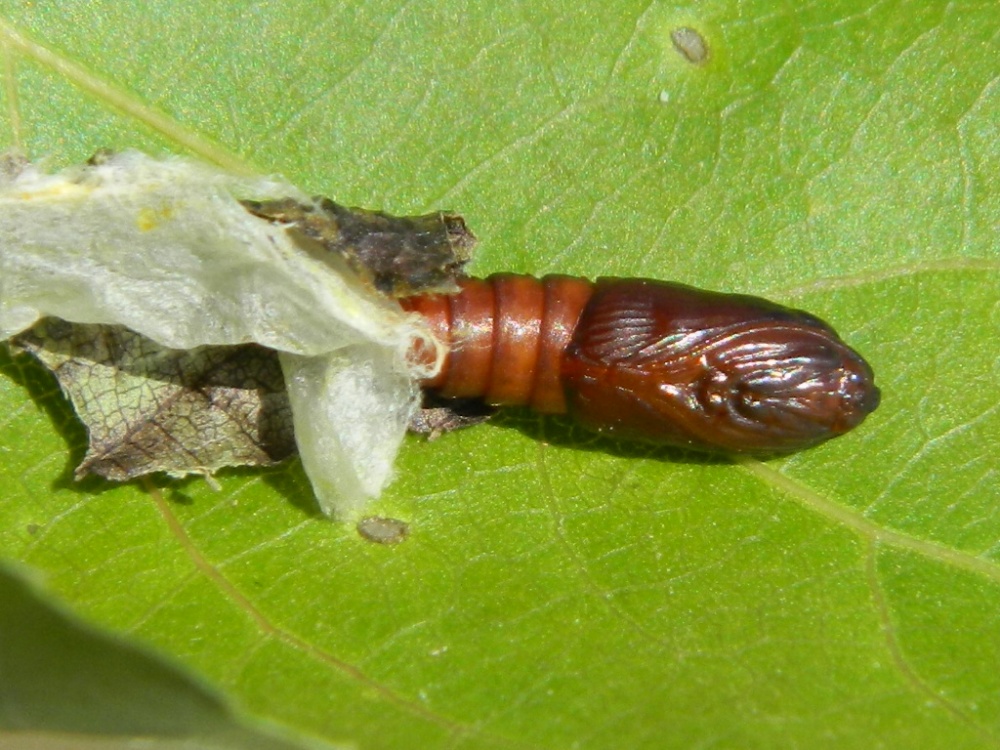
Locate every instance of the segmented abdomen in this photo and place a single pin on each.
(506, 337)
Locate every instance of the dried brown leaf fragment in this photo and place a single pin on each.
(150, 408)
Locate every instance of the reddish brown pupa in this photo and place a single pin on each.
(651, 360)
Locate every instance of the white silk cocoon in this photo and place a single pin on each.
(164, 248)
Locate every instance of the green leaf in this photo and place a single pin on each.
(556, 590)
(67, 686)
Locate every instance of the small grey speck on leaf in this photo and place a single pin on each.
(691, 44)
(12, 164)
(383, 530)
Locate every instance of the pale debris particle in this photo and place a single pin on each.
(399, 255)
(690, 43)
(149, 408)
(383, 530)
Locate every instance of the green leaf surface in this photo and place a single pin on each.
(65, 686)
(555, 590)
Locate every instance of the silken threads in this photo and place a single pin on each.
(649, 360)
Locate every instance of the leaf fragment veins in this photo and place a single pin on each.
(151, 408)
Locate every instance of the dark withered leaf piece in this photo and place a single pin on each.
(439, 415)
(399, 255)
(148, 408)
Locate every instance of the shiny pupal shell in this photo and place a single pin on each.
(669, 363)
